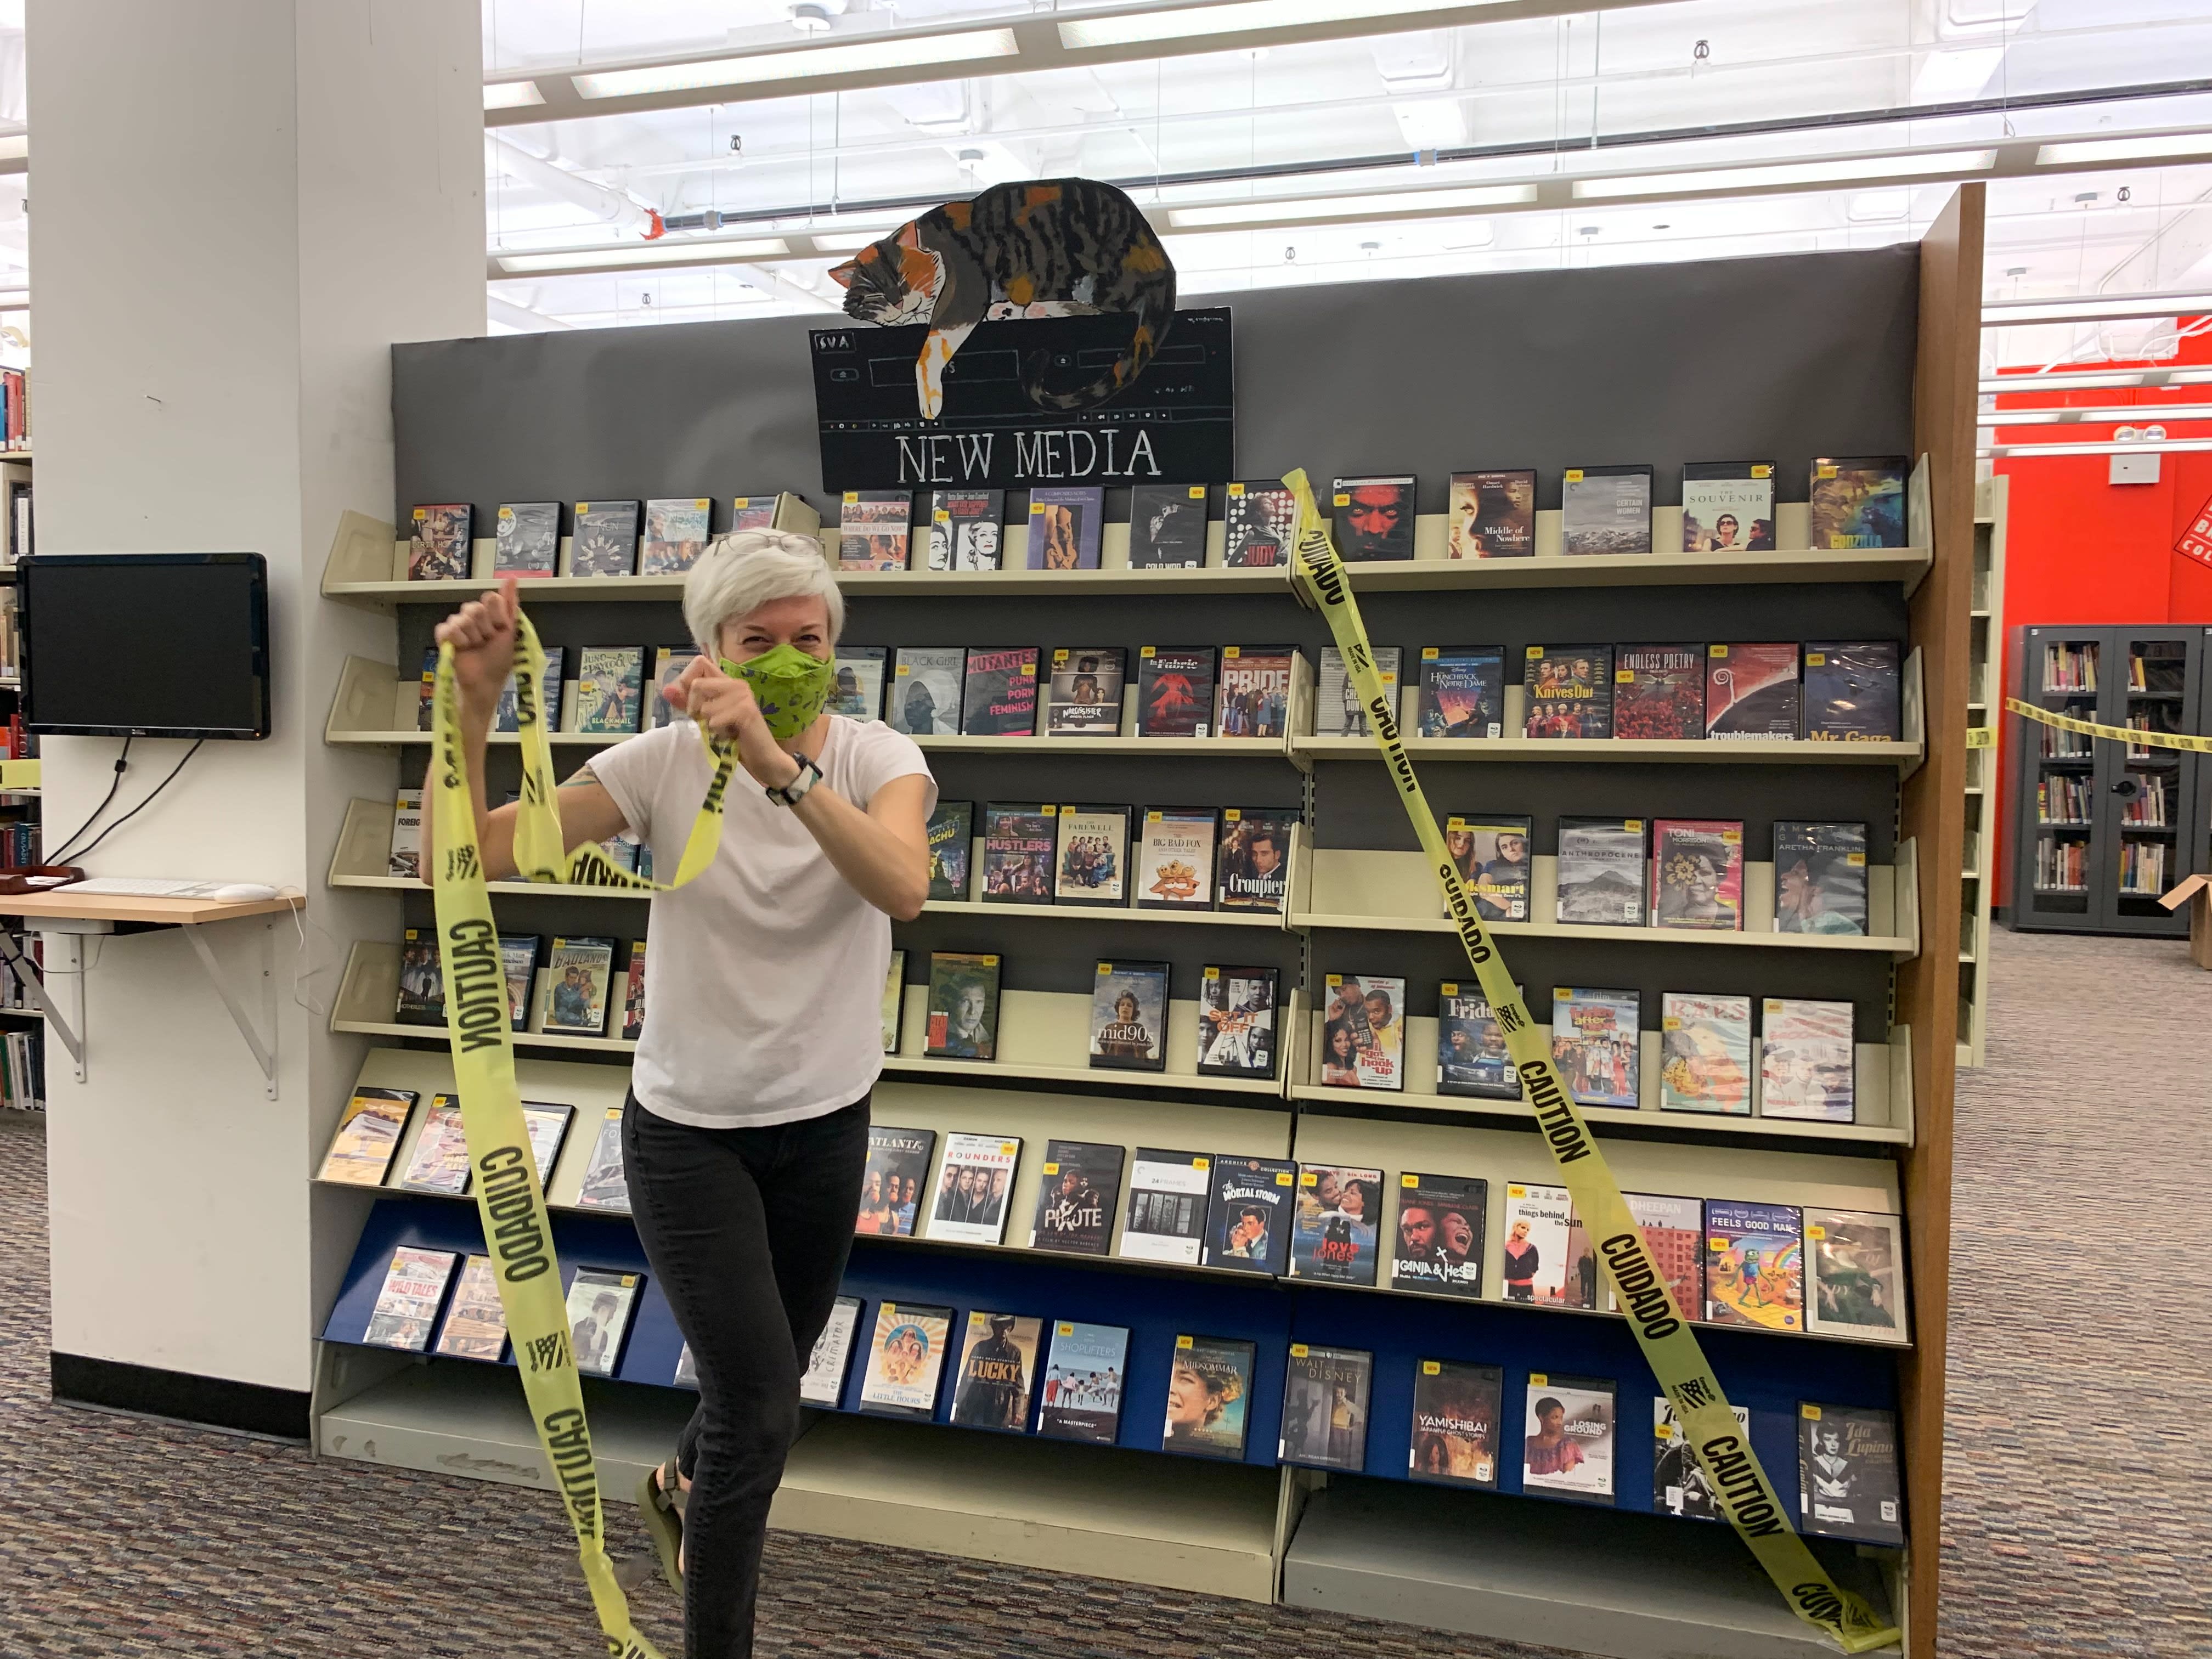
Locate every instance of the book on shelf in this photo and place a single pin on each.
(1334, 1228)
(1673, 1231)
(962, 1022)
(1858, 501)
(906, 1359)
(1819, 877)
(1438, 1248)
(1696, 874)
(439, 1163)
(605, 542)
(610, 688)
(1066, 526)
(1260, 524)
(1175, 692)
(1850, 692)
(1091, 865)
(439, 544)
(1374, 519)
(998, 1369)
(1000, 694)
(1079, 1187)
(1020, 844)
(1601, 872)
(406, 858)
(546, 1122)
(1807, 1060)
(1455, 1423)
(1492, 856)
(578, 973)
(951, 831)
(1755, 1265)
(528, 537)
(1237, 1021)
(1679, 1486)
(830, 1359)
(407, 1303)
(1167, 1206)
(926, 685)
(2069, 666)
(966, 529)
(1129, 1016)
(1085, 691)
(1751, 692)
(1605, 510)
(633, 1025)
(973, 1189)
(894, 1004)
(857, 692)
(601, 1302)
(892, 1181)
(1542, 1264)
(780, 511)
(607, 1183)
(1493, 515)
(368, 1135)
(1659, 691)
(1249, 1215)
(1326, 1398)
(873, 528)
(1462, 691)
(1209, 1397)
(1596, 1045)
(1568, 691)
(1727, 506)
(675, 535)
(1086, 1367)
(1254, 698)
(1847, 1475)
(1363, 1032)
(1167, 526)
(1174, 858)
(1254, 872)
(1568, 1447)
(508, 717)
(518, 963)
(1858, 1284)
(1338, 709)
(1471, 1053)
(422, 998)
(476, 1322)
(1704, 1053)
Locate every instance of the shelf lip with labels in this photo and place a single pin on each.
(1579, 751)
(1373, 924)
(1695, 1122)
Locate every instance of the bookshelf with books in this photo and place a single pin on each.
(1985, 713)
(1353, 901)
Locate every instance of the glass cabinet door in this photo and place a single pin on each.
(2153, 690)
(2061, 673)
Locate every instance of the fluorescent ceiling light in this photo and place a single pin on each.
(2108, 415)
(2113, 307)
(1713, 179)
(654, 253)
(2104, 382)
(512, 94)
(14, 146)
(2160, 446)
(1382, 205)
(2125, 149)
(844, 242)
(801, 63)
(1242, 17)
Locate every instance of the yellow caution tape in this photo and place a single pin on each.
(2127, 734)
(1740, 1484)
(1981, 737)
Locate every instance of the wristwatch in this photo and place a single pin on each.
(793, 793)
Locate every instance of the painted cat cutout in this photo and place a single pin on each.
(1062, 247)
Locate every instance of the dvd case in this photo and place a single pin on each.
(1755, 1265)
(973, 1189)
(1569, 1438)
(1568, 691)
(1858, 1283)
(1696, 874)
(1471, 1053)
(1850, 691)
(1248, 1226)
(1601, 872)
(998, 1369)
(1066, 526)
(407, 1303)
(1751, 692)
(1209, 1395)
(926, 685)
(1129, 1016)
(1174, 858)
(1491, 854)
(906, 1359)
(1334, 1238)
(1858, 501)
(1261, 523)
(872, 530)
(1462, 691)
(1456, 1416)
(1168, 1194)
(1254, 698)
(1085, 691)
(1606, 510)
(1819, 877)
(1705, 1053)
(1167, 526)
(1363, 1032)
(1077, 1187)
(1659, 691)
(1338, 710)
(1175, 692)
(1596, 1044)
(1374, 519)
(1847, 1475)
(1325, 1397)
(1727, 506)
(1438, 1243)
(1236, 1022)
(892, 1180)
(1081, 1399)
(1493, 515)
(1807, 1060)
(675, 536)
(967, 528)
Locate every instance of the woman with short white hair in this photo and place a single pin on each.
(746, 1132)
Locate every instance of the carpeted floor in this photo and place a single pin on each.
(2078, 1467)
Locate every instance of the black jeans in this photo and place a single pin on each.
(747, 1231)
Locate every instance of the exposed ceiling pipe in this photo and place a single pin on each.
(522, 317)
(629, 216)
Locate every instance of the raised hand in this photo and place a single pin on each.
(725, 708)
(482, 633)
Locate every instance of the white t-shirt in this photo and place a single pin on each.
(764, 978)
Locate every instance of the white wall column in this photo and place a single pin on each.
(238, 207)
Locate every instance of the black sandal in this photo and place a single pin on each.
(660, 1506)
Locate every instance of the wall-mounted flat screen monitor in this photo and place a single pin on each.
(150, 645)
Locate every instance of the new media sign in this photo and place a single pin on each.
(1176, 424)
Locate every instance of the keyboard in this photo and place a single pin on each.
(144, 887)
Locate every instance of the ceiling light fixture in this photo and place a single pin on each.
(2149, 378)
(2093, 151)
(657, 253)
(1242, 17)
(1711, 181)
(512, 94)
(1383, 205)
(798, 62)
(2161, 446)
(2095, 309)
(2101, 416)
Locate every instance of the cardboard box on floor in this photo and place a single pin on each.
(2197, 894)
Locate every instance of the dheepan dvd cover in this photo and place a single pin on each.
(1167, 526)
(1084, 1368)
(1472, 1058)
(1077, 1188)
(1673, 1229)
(1491, 854)
(1437, 1247)
(607, 1183)
(1568, 690)
(1236, 1020)
(891, 1182)
(951, 832)
(1326, 1393)
(1819, 877)
(1493, 515)
(1209, 1397)
(1374, 519)
(926, 685)
(1847, 1477)
(1456, 1416)
(997, 1370)
(1569, 1436)
(1248, 1228)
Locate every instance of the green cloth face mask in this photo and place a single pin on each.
(791, 687)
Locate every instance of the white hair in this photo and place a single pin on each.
(738, 573)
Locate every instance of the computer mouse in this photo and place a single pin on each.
(241, 892)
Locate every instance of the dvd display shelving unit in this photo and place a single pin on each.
(1624, 1580)
(1985, 711)
(2102, 828)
